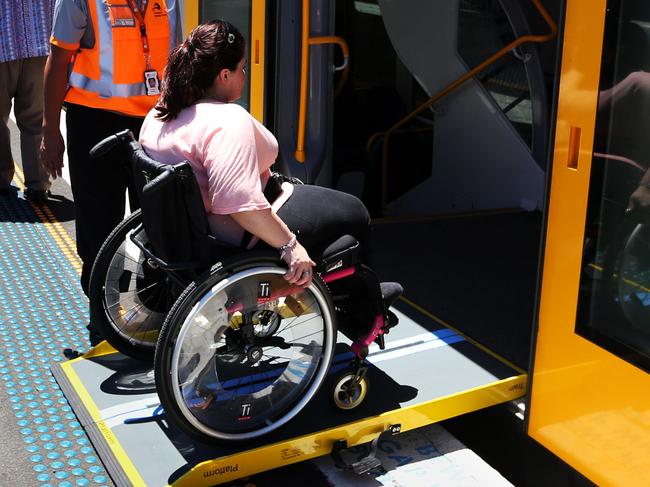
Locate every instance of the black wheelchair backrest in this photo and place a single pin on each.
(173, 213)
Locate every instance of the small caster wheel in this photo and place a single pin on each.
(348, 392)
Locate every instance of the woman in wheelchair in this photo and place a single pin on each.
(247, 344)
(231, 152)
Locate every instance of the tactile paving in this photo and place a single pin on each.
(43, 311)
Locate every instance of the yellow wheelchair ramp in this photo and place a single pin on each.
(426, 374)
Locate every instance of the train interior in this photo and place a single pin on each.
(457, 192)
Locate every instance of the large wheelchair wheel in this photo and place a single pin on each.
(129, 297)
(243, 351)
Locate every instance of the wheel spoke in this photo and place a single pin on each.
(130, 294)
(294, 322)
(125, 256)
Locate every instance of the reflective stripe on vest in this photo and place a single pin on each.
(105, 92)
(106, 89)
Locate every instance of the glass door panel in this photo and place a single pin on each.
(238, 13)
(249, 16)
(614, 299)
(590, 391)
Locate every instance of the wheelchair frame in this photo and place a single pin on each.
(336, 264)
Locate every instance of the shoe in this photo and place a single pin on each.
(37, 196)
(71, 354)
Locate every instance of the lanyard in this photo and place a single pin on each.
(138, 13)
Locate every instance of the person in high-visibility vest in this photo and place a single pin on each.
(106, 63)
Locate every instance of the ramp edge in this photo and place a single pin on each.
(111, 453)
(287, 452)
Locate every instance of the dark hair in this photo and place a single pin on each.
(193, 66)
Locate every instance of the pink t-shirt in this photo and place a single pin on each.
(230, 153)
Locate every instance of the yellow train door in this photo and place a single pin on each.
(590, 397)
(249, 16)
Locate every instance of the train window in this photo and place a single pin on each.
(483, 29)
(238, 13)
(614, 300)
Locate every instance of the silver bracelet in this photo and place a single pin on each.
(288, 246)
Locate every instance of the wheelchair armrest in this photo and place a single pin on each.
(343, 252)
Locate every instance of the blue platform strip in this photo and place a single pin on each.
(42, 311)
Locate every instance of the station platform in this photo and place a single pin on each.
(97, 420)
(42, 311)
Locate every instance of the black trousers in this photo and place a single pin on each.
(318, 216)
(98, 186)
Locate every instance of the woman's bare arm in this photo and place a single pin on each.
(270, 228)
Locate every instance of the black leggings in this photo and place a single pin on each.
(318, 216)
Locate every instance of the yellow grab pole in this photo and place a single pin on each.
(304, 68)
(304, 75)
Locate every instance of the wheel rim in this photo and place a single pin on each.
(344, 398)
(135, 296)
(232, 380)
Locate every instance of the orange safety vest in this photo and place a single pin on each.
(110, 75)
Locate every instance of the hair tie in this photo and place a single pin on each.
(231, 38)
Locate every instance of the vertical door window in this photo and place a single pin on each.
(614, 301)
(238, 13)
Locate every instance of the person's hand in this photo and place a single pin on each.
(300, 266)
(52, 147)
(640, 202)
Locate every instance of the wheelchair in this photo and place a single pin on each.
(238, 351)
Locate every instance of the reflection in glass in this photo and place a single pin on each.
(614, 301)
(238, 13)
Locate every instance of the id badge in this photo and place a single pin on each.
(121, 16)
(151, 83)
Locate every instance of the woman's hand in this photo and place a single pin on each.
(269, 227)
(300, 266)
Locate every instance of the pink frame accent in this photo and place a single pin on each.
(339, 274)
